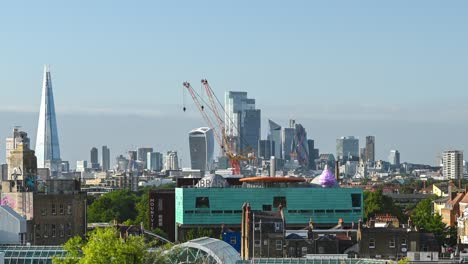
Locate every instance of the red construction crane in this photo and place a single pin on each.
(214, 120)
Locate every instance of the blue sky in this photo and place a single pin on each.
(351, 61)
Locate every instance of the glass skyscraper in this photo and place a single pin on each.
(201, 141)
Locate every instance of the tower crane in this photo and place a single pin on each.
(212, 112)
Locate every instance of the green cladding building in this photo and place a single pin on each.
(212, 207)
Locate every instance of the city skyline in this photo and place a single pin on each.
(383, 66)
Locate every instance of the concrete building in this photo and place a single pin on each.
(154, 161)
(162, 211)
(313, 154)
(18, 137)
(81, 165)
(242, 121)
(94, 155)
(143, 154)
(453, 164)
(105, 160)
(47, 141)
(201, 145)
(394, 158)
(370, 149)
(347, 148)
(172, 161)
(274, 136)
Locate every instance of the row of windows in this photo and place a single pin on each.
(322, 211)
(53, 209)
(53, 230)
(278, 244)
(213, 212)
(204, 202)
(391, 242)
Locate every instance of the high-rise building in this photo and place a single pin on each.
(287, 137)
(242, 121)
(313, 154)
(172, 161)
(122, 163)
(47, 142)
(266, 149)
(81, 165)
(300, 146)
(347, 148)
(201, 144)
(394, 157)
(370, 149)
(453, 164)
(155, 161)
(105, 161)
(18, 137)
(143, 154)
(132, 155)
(94, 158)
(275, 138)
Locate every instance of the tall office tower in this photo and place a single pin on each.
(155, 161)
(18, 137)
(105, 161)
(122, 163)
(81, 165)
(65, 166)
(201, 144)
(266, 149)
(394, 157)
(287, 137)
(47, 142)
(453, 164)
(275, 137)
(347, 148)
(143, 154)
(300, 146)
(242, 121)
(172, 161)
(94, 159)
(362, 154)
(132, 155)
(313, 154)
(370, 148)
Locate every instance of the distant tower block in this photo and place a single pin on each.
(47, 142)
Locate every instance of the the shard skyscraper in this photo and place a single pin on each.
(47, 142)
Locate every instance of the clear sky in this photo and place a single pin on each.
(339, 67)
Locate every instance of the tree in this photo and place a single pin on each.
(423, 218)
(376, 203)
(117, 205)
(103, 245)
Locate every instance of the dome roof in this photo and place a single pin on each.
(212, 181)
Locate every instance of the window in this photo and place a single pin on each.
(189, 212)
(319, 211)
(279, 244)
(304, 251)
(69, 209)
(403, 241)
(237, 211)
(217, 211)
(266, 207)
(43, 211)
(61, 209)
(330, 211)
(69, 229)
(53, 209)
(257, 227)
(202, 202)
(356, 199)
(232, 240)
(62, 230)
(160, 204)
(391, 243)
(257, 243)
(38, 231)
(277, 200)
(46, 231)
(371, 242)
(52, 230)
(160, 220)
(278, 226)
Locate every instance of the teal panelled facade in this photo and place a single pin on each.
(216, 206)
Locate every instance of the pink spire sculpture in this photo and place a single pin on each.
(327, 178)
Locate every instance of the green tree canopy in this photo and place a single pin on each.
(118, 205)
(376, 203)
(104, 246)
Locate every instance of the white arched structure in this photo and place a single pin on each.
(208, 250)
